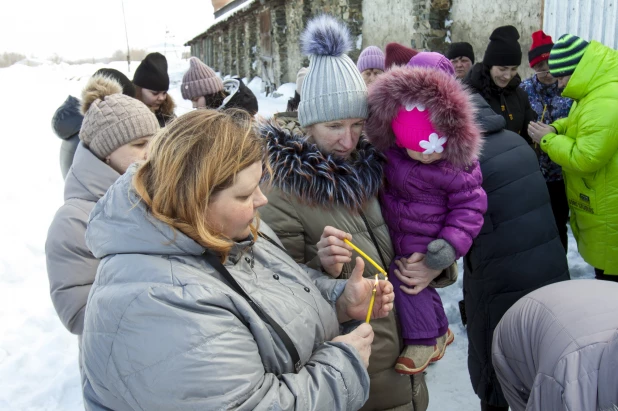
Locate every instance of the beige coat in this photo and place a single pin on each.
(304, 200)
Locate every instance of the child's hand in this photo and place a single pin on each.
(440, 255)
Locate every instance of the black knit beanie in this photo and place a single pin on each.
(128, 89)
(503, 48)
(462, 49)
(152, 74)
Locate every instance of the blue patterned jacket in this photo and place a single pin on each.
(540, 95)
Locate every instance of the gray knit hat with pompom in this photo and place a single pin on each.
(333, 88)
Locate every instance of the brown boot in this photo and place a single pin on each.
(443, 342)
(415, 358)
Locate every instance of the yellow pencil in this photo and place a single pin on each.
(358, 250)
(373, 299)
(542, 117)
(544, 110)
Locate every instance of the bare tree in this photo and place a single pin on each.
(119, 55)
(8, 59)
(136, 55)
(56, 59)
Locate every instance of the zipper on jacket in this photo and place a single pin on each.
(504, 107)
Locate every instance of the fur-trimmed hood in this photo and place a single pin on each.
(314, 178)
(450, 104)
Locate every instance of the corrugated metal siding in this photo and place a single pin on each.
(589, 19)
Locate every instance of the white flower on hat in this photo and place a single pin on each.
(434, 145)
(419, 107)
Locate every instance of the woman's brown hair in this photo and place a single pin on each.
(190, 161)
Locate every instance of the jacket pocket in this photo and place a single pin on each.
(581, 196)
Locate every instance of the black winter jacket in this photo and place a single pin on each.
(66, 123)
(517, 251)
(510, 102)
(239, 96)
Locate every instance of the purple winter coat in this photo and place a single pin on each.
(424, 202)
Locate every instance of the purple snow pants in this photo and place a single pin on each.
(422, 316)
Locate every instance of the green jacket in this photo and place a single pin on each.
(310, 191)
(586, 146)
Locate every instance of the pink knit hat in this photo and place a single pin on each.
(413, 130)
(432, 60)
(200, 80)
(370, 58)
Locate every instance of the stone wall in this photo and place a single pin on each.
(421, 24)
(296, 15)
(474, 20)
(236, 41)
(279, 34)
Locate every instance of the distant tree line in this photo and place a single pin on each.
(135, 54)
(8, 59)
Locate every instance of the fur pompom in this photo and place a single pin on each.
(325, 36)
(97, 88)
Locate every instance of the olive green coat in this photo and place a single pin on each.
(311, 191)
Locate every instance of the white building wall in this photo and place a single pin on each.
(588, 19)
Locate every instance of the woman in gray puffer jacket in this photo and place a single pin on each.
(167, 325)
(114, 133)
(557, 348)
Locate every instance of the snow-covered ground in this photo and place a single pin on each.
(38, 356)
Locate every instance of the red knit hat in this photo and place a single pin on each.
(396, 54)
(540, 49)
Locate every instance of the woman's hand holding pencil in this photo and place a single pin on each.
(364, 298)
(333, 251)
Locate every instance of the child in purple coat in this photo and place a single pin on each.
(432, 200)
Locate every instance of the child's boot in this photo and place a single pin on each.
(443, 342)
(415, 358)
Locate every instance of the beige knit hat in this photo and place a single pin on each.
(112, 119)
(200, 80)
(300, 77)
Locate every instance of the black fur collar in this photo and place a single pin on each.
(301, 170)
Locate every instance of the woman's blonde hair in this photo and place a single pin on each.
(190, 161)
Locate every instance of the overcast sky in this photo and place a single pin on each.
(76, 29)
